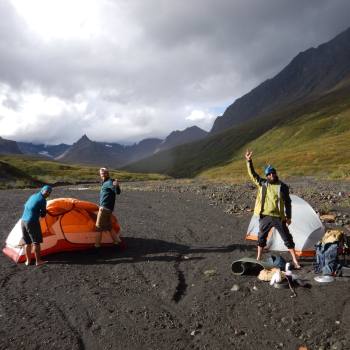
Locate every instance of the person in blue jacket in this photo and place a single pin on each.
(34, 208)
(109, 189)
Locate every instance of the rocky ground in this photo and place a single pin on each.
(172, 287)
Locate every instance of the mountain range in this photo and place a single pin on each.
(9, 147)
(51, 151)
(115, 155)
(310, 74)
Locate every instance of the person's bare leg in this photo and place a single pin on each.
(294, 257)
(37, 255)
(260, 250)
(115, 237)
(98, 239)
(28, 253)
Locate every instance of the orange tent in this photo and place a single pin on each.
(68, 225)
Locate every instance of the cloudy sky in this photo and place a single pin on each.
(124, 70)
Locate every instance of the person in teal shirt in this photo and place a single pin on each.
(109, 189)
(34, 209)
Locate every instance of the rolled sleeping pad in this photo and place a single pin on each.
(249, 266)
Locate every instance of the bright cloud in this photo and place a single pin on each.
(203, 119)
(64, 19)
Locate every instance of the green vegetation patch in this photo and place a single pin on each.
(19, 171)
(311, 145)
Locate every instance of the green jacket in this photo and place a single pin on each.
(277, 200)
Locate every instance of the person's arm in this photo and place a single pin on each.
(43, 208)
(251, 171)
(116, 186)
(287, 203)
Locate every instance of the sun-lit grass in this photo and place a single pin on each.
(311, 145)
(23, 171)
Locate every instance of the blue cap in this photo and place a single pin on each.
(269, 169)
(46, 188)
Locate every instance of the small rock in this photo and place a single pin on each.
(95, 327)
(328, 218)
(209, 273)
(235, 288)
(239, 332)
(195, 332)
(337, 346)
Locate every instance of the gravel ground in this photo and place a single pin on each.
(172, 287)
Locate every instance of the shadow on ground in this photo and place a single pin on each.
(142, 249)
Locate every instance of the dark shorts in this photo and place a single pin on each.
(31, 232)
(266, 223)
(104, 219)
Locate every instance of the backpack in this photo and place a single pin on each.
(277, 261)
(327, 254)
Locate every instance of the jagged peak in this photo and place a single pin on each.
(83, 139)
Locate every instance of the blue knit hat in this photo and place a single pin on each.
(46, 188)
(269, 169)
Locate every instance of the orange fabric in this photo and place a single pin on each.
(59, 206)
(251, 237)
(75, 216)
(77, 221)
(305, 253)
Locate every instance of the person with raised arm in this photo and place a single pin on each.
(273, 206)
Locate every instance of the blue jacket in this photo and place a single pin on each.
(108, 193)
(34, 208)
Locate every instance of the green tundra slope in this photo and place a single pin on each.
(310, 138)
(18, 171)
(315, 144)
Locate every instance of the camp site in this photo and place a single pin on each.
(174, 175)
(173, 278)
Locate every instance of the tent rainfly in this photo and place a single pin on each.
(306, 229)
(69, 225)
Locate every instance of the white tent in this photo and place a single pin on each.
(306, 229)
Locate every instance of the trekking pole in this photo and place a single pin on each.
(290, 280)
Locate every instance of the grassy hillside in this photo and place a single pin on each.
(307, 139)
(314, 145)
(18, 171)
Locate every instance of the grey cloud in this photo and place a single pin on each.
(168, 56)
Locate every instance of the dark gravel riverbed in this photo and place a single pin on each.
(172, 287)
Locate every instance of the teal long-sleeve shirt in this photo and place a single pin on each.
(34, 208)
(107, 194)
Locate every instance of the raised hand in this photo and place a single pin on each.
(248, 154)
